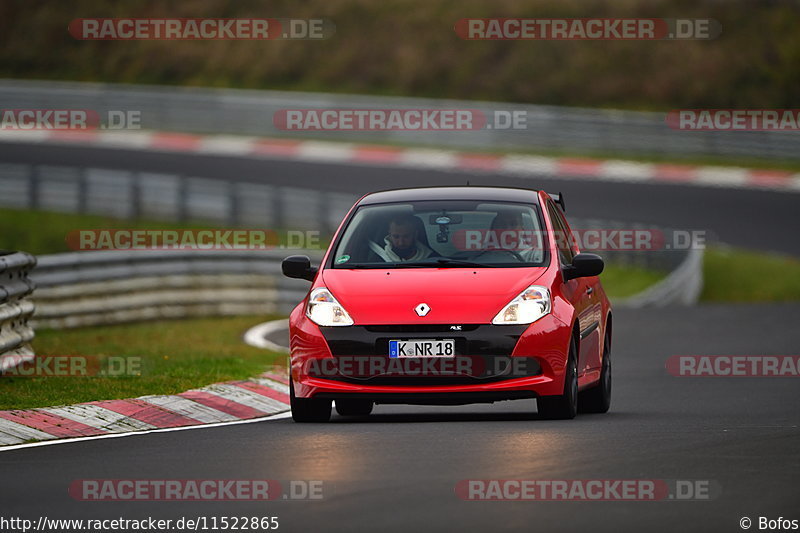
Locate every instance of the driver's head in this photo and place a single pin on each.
(507, 229)
(507, 221)
(403, 234)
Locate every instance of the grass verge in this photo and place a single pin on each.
(45, 232)
(175, 356)
(736, 275)
(625, 281)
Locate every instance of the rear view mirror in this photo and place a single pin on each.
(584, 265)
(298, 267)
(444, 219)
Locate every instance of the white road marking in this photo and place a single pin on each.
(618, 170)
(527, 165)
(272, 384)
(721, 176)
(322, 151)
(25, 135)
(98, 417)
(185, 407)
(256, 336)
(441, 159)
(130, 140)
(226, 145)
(245, 397)
(14, 432)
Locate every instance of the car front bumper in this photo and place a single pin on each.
(531, 358)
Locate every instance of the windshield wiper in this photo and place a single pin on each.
(443, 261)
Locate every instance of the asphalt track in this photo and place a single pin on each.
(758, 219)
(397, 470)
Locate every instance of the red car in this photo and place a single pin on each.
(449, 296)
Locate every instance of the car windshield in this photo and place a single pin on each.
(449, 234)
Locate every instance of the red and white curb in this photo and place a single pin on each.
(219, 403)
(447, 160)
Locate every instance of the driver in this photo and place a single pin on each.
(511, 235)
(402, 242)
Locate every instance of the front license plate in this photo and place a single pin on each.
(422, 348)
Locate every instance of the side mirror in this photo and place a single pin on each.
(299, 267)
(583, 266)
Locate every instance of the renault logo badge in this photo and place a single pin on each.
(422, 309)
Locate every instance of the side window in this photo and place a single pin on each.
(561, 235)
(571, 242)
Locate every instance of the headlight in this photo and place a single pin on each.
(324, 310)
(531, 305)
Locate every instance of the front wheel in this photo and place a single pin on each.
(598, 398)
(308, 409)
(565, 406)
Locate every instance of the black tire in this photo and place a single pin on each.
(598, 398)
(308, 409)
(565, 406)
(354, 407)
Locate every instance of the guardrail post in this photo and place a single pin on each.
(277, 218)
(15, 309)
(83, 190)
(233, 204)
(136, 195)
(182, 199)
(323, 213)
(33, 188)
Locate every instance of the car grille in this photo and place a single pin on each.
(471, 339)
(483, 355)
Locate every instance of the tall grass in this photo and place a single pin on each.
(409, 47)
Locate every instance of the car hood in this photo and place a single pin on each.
(455, 295)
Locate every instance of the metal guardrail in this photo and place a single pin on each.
(111, 287)
(684, 281)
(15, 309)
(126, 194)
(682, 287)
(204, 110)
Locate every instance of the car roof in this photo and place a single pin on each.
(498, 194)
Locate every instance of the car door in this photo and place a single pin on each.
(580, 292)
